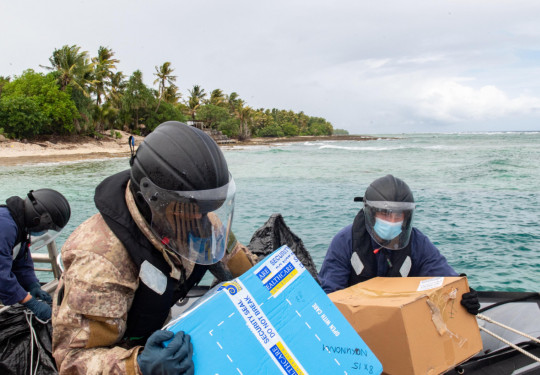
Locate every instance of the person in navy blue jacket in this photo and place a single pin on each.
(381, 241)
(41, 211)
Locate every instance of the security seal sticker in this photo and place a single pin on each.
(264, 332)
(279, 271)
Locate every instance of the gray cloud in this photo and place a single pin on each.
(369, 67)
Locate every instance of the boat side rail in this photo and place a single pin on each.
(51, 258)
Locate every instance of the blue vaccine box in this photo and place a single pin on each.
(274, 319)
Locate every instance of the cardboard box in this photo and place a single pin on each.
(414, 325)
(274, 319)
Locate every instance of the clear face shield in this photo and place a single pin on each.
(193, 224)
(41, 239)
(389, 223)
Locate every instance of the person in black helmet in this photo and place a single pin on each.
(41, 215)
(161, 226)
(381, 241)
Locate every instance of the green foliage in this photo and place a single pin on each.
(230, 127)
(319, 126)
(196, 97)
(137, 102)
(116, 134)
(340, 132)
(22, 116)
(271, 131)
(33, 104)
(212, 115)
(85, 95)
(290, 130)
(74, 67)
(3, 82)
(166, 112)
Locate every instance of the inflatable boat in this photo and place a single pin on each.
(509, 322)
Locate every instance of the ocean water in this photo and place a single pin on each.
(478, 195)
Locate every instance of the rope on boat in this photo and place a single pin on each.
(532, 356)
(489, 320)
(33, 337)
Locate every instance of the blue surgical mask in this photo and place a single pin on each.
(386, 229)
(37, 234)
(206, 250)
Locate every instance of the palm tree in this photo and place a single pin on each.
(74, 67)
(216, 97)
(104, 64)
(194, 101)
(164, 77)
(118, 84)
(232, 101)
(171, 94)
(242, 113)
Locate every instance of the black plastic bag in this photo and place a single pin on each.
(275, 233)
(24, 350)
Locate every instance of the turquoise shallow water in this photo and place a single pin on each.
(478, 195)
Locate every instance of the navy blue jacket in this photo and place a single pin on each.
(15, 274)
(336, 268)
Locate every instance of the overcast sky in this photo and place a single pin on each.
(369, 67)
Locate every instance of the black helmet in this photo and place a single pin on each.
(176, 156)
(183, 188)
(388, 209)
(46, 209)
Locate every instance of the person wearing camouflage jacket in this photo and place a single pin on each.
(127, 265)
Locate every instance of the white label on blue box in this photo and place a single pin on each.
(261, 327)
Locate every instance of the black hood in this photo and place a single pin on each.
(15, 206)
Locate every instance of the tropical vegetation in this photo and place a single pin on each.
(85, 95)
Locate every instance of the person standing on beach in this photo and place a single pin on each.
(382, 242)
(41, 211)
(161, 225)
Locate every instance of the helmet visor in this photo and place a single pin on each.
(38, 240)
(389, 223)
(193, 224)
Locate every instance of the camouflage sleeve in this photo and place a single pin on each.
(238, 258)
(91, 304)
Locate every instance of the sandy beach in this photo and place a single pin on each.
(57, 149)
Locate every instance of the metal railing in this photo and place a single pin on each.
(50, 258)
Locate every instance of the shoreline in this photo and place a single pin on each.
(75, 148)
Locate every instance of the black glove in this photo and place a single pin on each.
(36, 292)
(41, 310)
(470, 301)
(176, 358)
